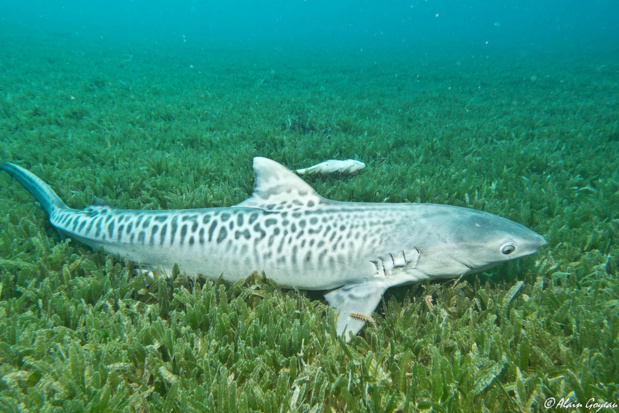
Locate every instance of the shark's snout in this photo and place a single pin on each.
(534, 242)
(540, 241)
(528, 241)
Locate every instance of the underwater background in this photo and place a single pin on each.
(506, 107)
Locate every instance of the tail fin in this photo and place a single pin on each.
(39, 189)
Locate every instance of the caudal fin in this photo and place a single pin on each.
(39, 189)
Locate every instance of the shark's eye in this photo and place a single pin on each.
(507, 249)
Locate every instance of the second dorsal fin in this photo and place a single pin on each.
(100, 203)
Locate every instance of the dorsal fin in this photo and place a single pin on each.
(100, 202)
(278, 188)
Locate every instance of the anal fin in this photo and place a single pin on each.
(358, 299)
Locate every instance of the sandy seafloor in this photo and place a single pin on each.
(530, 135)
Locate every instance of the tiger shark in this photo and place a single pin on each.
(355, 251)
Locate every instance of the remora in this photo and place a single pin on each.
(298, 239)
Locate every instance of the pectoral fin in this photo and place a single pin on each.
(358, 299)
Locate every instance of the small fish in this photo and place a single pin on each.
(332, 166)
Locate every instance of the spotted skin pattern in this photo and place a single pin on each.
(233, 242)
(298, 239)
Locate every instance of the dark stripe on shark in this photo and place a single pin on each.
(98, 227)
(153, 232)
(90, 223)
(164, 229)
(223, 233)
(253, 217)
(173, 228)
(82, 224)
(146, 223)
(183, 233)
(295, 249)
(211, 230)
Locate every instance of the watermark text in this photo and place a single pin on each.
(567, 403)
